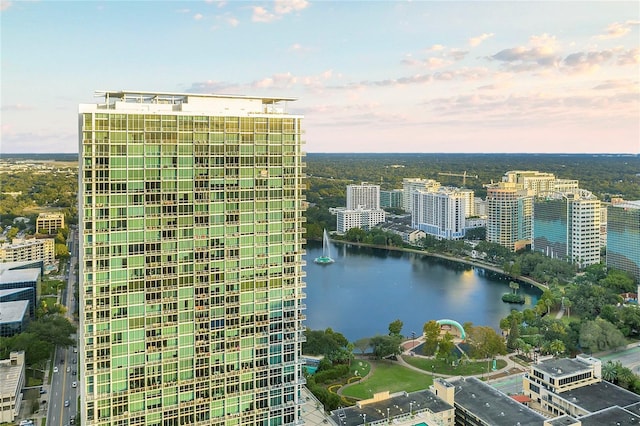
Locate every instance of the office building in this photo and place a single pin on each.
(191, 260)
(566, 226)
(409, 185)
(391, 199)
(509, 215)
(539, 182)
(364, 196)
(19, 281)
(440, 213)
(573, 387)
(49, 223)
(623, 237)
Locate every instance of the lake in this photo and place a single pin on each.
(366, 289)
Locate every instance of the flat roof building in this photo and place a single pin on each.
(49, 223)
(12, 379)
(191, 260)
(26, 250)
(623, 237)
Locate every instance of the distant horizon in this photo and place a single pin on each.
(629, 154)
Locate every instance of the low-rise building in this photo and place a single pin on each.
(478, 404)
(399, 409)
(14, 317)
(49, 223)
(12, 379)
(26, 250)
(573, 387)
(23, 276)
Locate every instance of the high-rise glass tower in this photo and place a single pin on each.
(623, 238)
(191, 260)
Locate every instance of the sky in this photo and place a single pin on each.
(369, 76)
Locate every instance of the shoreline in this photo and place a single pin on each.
(470, 262)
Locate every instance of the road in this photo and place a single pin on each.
(66, 358)
(629, 357)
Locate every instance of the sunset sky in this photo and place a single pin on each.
(370, 76)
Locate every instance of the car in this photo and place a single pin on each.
(75, 350)
(74, 384)
(42, 391)
(68, 369)
(75, 361)
(66, 403)
(55, 369)
(73, 372)
(72, 421)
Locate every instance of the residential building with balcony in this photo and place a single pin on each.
(191, 260)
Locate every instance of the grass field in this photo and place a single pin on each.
(441, 367)
(388, 376)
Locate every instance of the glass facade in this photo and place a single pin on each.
(191, 269)
(623, 238)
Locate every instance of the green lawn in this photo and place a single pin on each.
(467, 368)
(388, 376)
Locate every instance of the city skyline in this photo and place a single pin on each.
(369, 77)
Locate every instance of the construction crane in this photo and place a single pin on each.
(462, 175)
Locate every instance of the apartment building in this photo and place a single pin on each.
(363, 196)
(191, 260)
(28, 250)
(509, 215)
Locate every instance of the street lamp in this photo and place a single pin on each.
(364, 418)
(413, 339)
(411, 407)
(388, 419)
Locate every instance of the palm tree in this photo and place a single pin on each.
(567, 306)
(610, 371)
(514, 286)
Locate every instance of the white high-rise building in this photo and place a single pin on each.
(409, 185)
(440, 213)
(539, 182)
(364, 196)
(358, 218)
(191, 260)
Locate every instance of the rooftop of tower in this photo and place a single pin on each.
(173, 97)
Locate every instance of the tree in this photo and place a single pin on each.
(362, 344)
(610, 371)
(446, 347)
(514, 334)
(431, 332)
(355, 234)
(600, 335)
(395, 328)
(555, 347)
(485, 342)
(514, 286)
(386, 346)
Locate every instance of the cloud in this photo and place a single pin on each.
(585, 62)
(475, 41)
(617, 30)
(198, 16)
(277, 81)
(624, 85)
(457, 54)
(213, 86)
(429, 63)
(232, 21)
(435, 48)
(5, 4)
(629, 57)
(260, 14)
(183, 10)
(284, 7)
(540, 53)
(281, 8)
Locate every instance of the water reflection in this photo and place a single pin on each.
(366, 289)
